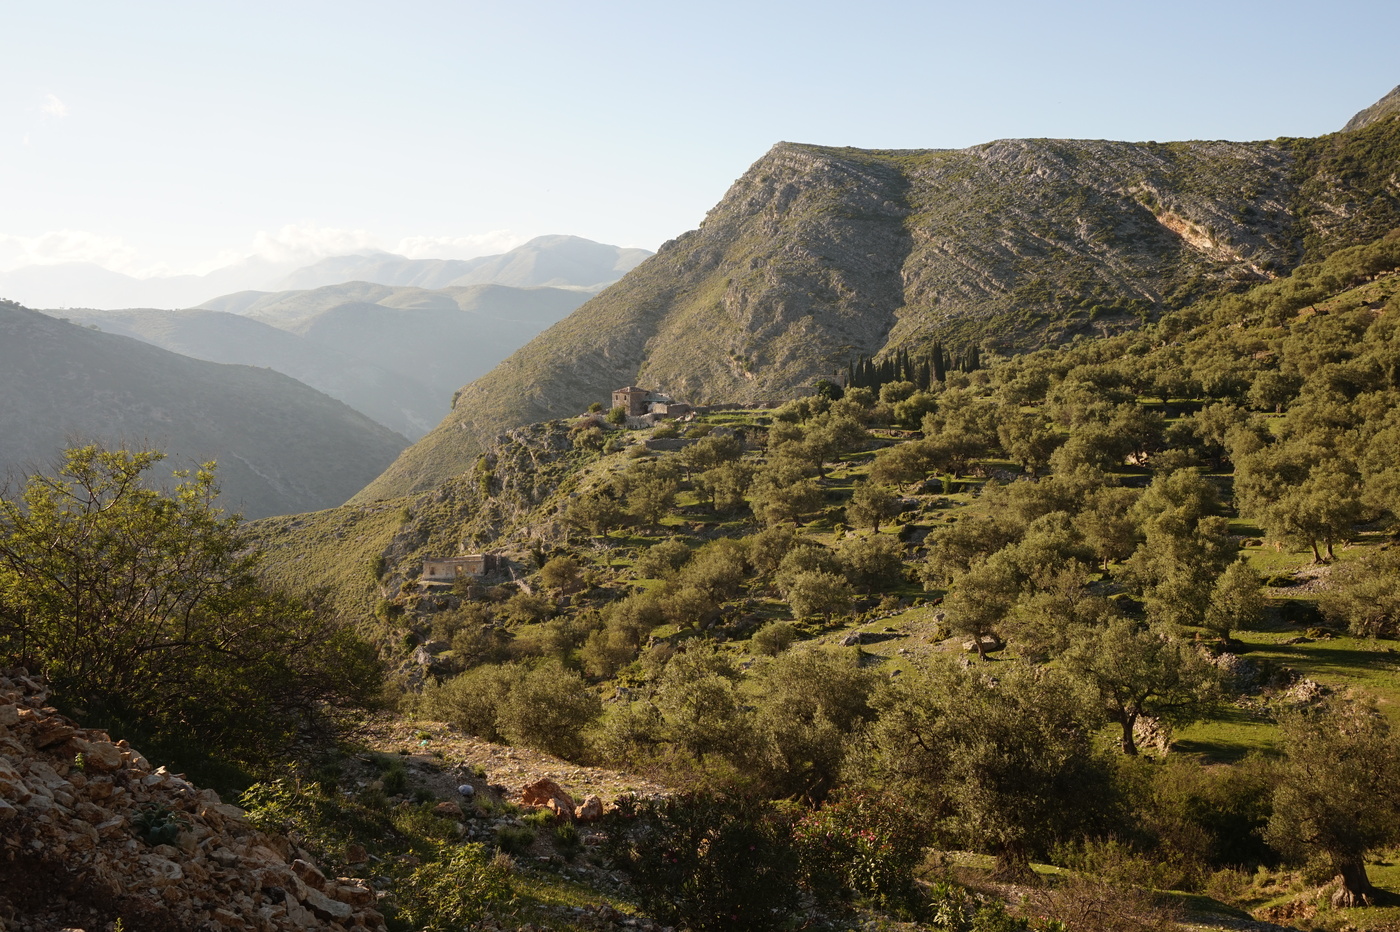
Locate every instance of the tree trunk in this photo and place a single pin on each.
(1013, 866)
(1128, 744)
(1354, 887)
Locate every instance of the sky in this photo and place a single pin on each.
(156, 138)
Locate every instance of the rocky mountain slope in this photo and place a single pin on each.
(817, 255)
(93, 835)
(281, 447)
(1387, 106)
(393, 353)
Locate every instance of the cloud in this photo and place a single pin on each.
(458, 247)
(52, 108)
(58, 246)
(292, 245)
(307, 242)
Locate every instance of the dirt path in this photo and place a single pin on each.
(443, 758)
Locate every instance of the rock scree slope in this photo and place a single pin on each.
(90, 834)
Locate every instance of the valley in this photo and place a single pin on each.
(1000, 539)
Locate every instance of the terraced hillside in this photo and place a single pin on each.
(818, 255)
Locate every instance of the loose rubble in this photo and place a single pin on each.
(91, 834)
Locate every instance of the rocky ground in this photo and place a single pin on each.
(93, 839)
(442, 758)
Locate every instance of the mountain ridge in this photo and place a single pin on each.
(282, 447)
(817, 255)
(569, 261)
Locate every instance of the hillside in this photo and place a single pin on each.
(818, 255)
(1175, 544)
(400, 402)
(394, 353)
(282, 447)
(1388, 106)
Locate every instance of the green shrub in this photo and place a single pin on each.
(395, 779)
(515, 839)
(548, 710)
(157, 825)
(773, 638)
(567, 837)
(460, 887)
(707, 862)
(862, 845)
(540, 818)
(954, 908)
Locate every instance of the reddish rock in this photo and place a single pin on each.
(590, 810)
(545, 790)
(448, 810)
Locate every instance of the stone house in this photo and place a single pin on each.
(448, 569)
(639, 402)
(631, 399)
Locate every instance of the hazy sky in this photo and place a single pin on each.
(176, 136)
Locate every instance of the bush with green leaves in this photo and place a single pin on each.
(863, 845)
(143, 608)
(515, 839)
(951, 907)
(707, 862)
(459, 887)
(773, 638)
(157, 825)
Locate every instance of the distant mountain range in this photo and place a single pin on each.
(819, 255)
(281, 447)
(546, 260)
(394, 352)
(557, 261)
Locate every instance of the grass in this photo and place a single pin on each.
(1342, 662)
(1228, 736)
(544, 899)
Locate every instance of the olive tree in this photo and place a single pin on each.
(1338, 793)
(1137, 671)
(1007, 761)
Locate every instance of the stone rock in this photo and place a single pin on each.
(325, 907)
(354, 892)
(590, 810)
(12, 785)
(101, 756)
(78, 825)
(448, 810)
(990, 644)
(544, 791)
(309, 874)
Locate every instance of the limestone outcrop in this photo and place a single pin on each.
(91, 835)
